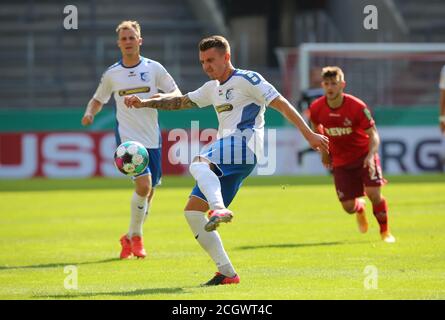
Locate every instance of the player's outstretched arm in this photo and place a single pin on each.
(94, 106)
(325, 156)
(317, 141)
(171, 103)
(175, 93)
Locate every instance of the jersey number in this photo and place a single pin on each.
(250, 76)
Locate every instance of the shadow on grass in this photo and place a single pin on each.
(138, 292)
(299, 245)
(57, 265)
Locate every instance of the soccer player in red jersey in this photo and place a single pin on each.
(353, 150)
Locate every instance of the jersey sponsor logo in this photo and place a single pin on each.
(144, 76)
(224, 107)
(335, 115)
(127, 92)
(338, 132)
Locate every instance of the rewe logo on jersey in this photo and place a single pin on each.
(338, 132)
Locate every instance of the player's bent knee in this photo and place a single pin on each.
(374, 194)
(196, 204)
(349, 206)
(143, 185)
(199, 159)
(194, 167)
(197, 168)
(143, 190)
(375, 198)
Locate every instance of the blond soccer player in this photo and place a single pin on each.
(353, 150)
(145, 78)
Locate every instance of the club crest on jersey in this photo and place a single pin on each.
(144, 76)
(224, 107)
(229, 94)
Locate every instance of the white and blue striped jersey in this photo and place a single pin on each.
(240, 103)
(144, 80)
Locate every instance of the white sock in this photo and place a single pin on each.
(208, 183)
(138, 207)
(210, 242)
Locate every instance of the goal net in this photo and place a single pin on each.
(381, 74)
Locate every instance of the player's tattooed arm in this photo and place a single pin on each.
(174, 103)
(171, 103)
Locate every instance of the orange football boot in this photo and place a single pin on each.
(137, 247)
(362, 221)
(387, 237)
(126, 247)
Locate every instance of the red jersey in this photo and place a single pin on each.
(345, 126)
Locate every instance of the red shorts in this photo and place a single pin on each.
(351, 179)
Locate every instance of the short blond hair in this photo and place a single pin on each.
(332, 72)
(129, 24)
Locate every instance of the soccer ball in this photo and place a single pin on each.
(131, 158)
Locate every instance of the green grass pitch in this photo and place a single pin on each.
(289, 240)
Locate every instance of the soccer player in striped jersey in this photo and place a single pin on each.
(135, 75)
(240, 98)
(353, 150)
